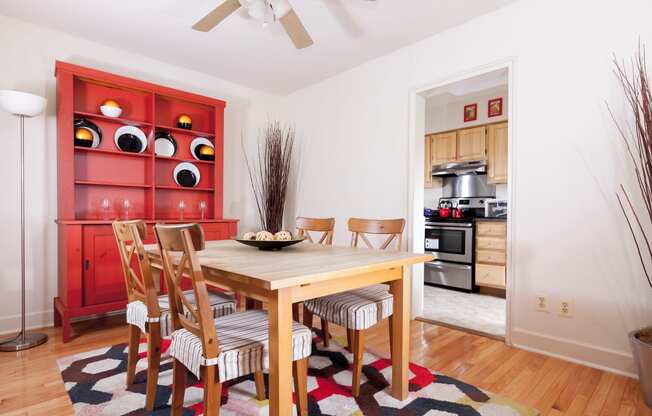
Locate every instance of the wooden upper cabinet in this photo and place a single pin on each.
(497, 145)
(471, 144)
(427, 168)
(443, 148)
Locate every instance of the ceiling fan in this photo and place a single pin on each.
(263, 10)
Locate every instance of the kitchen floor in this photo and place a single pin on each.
(478, 312)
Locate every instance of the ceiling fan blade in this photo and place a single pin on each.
(295, 30)
(218, 14)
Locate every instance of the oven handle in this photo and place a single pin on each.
(434, 225)
(441, 265)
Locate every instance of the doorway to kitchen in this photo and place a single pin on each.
(460, 202)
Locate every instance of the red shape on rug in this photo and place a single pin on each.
(422, 376)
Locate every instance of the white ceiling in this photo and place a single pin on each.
(346, 33)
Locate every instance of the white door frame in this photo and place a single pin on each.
(416, 221)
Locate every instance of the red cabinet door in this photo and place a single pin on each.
(219, 230)
(103, 277)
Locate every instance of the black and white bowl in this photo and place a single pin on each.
(196, 149)
(164, 144)
(130, 139)
(187, 175)
(92, 128)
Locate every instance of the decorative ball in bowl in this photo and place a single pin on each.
(264, 240)
(111, 111)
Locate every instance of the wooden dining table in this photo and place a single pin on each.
(306, 271)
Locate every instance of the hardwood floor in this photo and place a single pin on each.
(31, 384)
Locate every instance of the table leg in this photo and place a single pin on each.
(401, 334)
(280, 353)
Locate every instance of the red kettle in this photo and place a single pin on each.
(444, 209)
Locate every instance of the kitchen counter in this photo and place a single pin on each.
(500, 219)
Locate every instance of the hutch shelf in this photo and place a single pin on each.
(90, 277)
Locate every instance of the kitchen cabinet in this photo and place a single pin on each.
(497, 145)
(471, 144)
(490, 275)
(492, 228)
(490, 243)
(488, 142)
(491, 254)
(427, 168)
(443, 148)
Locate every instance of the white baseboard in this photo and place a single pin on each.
(615, 361)
(11, 324)
(44, 319)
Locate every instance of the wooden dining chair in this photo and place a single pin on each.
(324, 230)
(360, 309)
(325, 226)
(147, 312)
(222, 349)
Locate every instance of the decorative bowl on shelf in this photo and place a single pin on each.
(165, 145)
(130, 139)
(111, 111)
(205, 152)
(202, 149)
(110, 108)
(269, 245)
(87, 133)
(184, 122)
(187, 175)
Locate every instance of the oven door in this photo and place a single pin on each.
(450, 242)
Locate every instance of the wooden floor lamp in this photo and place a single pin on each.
(23, 105)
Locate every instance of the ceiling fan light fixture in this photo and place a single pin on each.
(280, 7)
(265, 12)
(257, 10)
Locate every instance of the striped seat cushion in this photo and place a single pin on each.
(222, 304)
(355, 309)
(243, 338)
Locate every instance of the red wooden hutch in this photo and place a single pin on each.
(90, 276)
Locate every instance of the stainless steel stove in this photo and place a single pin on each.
(451, 240)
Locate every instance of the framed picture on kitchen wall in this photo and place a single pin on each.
(470, 112)
(495, 107)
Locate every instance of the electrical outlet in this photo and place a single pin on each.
(541, 303)
(566, 308)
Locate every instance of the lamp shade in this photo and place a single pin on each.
(21, 103)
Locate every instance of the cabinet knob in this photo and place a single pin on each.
(87, 264)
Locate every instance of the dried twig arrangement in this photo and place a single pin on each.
(637, 138)
(269, 176)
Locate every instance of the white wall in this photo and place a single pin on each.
(569, 240)
(28, 54)
(446, 112)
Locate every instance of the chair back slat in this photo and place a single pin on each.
(325, 226)
(129, 236)
(360, 228)
(182, 242)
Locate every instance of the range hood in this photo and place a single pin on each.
(460, 168)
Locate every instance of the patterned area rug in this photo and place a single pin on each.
(95, 381)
